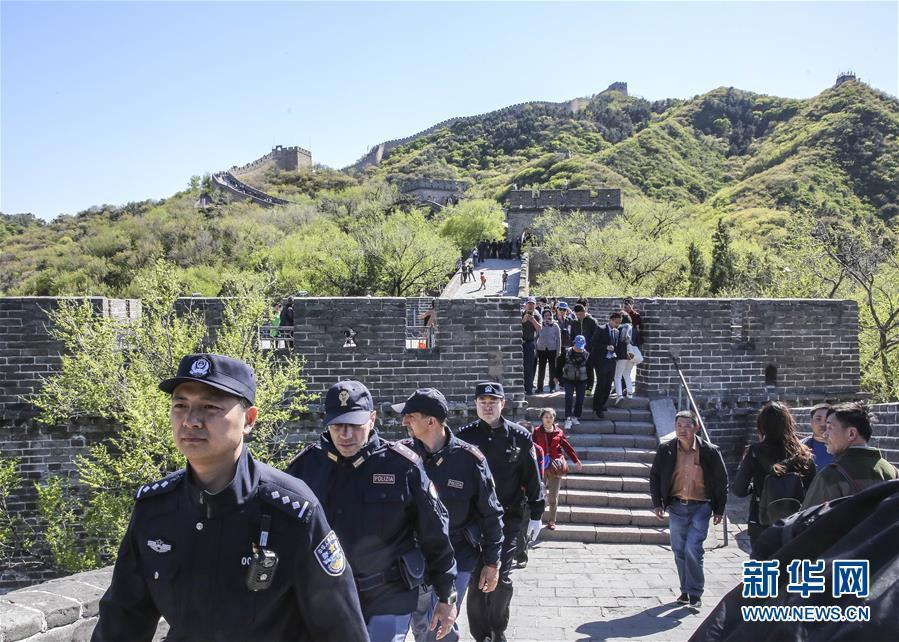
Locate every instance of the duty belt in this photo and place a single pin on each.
(371, 582)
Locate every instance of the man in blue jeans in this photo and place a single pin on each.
(688, 479)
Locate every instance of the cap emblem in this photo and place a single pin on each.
(488, 389)
(344, 396)
(199, 368)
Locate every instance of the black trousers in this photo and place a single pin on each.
(546, 360)
(605, 376)
(488, 613)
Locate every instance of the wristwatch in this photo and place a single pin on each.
(451, 599)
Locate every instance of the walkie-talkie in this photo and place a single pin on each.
(264, 562)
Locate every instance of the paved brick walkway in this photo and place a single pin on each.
(611, 592)
(493, 269)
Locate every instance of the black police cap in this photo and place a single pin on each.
(348, 402)
(218, 371)
(427, 401)
(490, 389)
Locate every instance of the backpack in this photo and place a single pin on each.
(781, 496)
(574, 369)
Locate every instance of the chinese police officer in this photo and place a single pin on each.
(460, 473)
(227, 548)
(386, 513)
(510, 454)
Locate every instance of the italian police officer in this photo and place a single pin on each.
(227, 548)
(510, 454)
(386, 513)
(462, 477)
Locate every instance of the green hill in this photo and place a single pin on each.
(729, 193)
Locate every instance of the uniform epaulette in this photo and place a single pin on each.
(405, 451)
(469, 426)
(162, 486)
(474, 450)
(305, 450)
(290, 501)
(519, 430)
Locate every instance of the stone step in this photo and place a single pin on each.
(556, 400)
(607, 516)
(616, 454)
(614, 499)
(604, 534)
(624, 441)
(606, 482)
(629, 468)
(603, 426)
(612, 414)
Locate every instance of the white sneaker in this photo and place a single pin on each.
(568, 424)
(575, 421)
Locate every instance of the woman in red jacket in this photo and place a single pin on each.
(552, 440)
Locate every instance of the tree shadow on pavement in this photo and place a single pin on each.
(649, 622)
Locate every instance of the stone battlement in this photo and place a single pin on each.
(572, 199)
(287, 159)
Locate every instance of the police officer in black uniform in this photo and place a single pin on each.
(227, 548)
(385, 511)
(465, 485)
(510, 453)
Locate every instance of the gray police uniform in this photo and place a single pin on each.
(465, 486)
(187, 554)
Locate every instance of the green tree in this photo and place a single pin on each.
(111, 369)
(723, 273)
(471, 221)
(697, 270)
(408, 255)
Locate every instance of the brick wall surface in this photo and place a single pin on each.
(724, 347)
(28, 353)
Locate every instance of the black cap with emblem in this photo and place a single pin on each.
(348, 402)
(218, 371)
(490, 389)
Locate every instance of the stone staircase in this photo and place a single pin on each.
(608, 500)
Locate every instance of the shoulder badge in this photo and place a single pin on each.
(405, 451)
(330, 555)
(291, 502)
(162, 486)
(474, 450)
(468, 426)
(519, 431)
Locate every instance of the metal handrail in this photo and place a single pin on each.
(695, 410)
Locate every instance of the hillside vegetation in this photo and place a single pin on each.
(728, 193)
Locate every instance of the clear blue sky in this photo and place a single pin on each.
(114, 102)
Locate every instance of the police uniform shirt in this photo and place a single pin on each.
(186, 557)
(510, 454)
(465, 486)
(380, 503)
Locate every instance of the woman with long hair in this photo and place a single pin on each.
(777, 454)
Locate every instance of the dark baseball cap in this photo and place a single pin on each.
(489, 389)
(427, 401)
(348, 402)
(216, 370)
